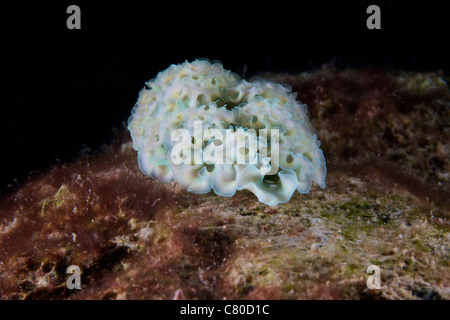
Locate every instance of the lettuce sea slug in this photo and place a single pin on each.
(205, 128)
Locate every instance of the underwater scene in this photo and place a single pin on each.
(220, 152)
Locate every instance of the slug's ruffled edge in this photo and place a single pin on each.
(205, 92)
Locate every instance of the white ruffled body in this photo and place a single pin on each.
(203, 93)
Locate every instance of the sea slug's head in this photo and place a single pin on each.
(204, 127)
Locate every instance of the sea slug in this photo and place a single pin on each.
(230, 134)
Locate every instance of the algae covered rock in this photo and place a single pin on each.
(385, 137)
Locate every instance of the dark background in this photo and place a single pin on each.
(67, 89)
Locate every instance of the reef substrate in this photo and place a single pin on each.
(385, 136)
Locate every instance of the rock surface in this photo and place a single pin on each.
(386, 138)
